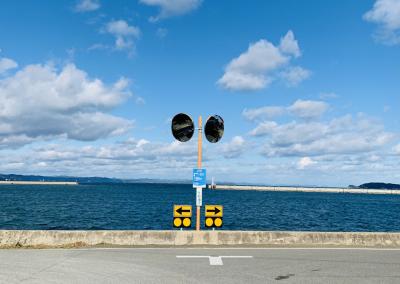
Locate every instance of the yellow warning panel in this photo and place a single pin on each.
(214, 210)
(182, 210)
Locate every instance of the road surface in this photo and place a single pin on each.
(189, 265)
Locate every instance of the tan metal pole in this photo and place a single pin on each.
(199, 156)
(199, 141)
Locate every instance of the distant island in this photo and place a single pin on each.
(379, 185)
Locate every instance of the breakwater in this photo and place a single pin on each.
(69, 239)
(306, 189)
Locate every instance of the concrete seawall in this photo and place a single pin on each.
(69, 239)
(306, 189)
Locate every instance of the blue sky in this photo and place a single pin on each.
(308, 89)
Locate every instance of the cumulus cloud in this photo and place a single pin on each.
(246, 72)
(263, 113)
(290, 45)
(255, 69)
(41, 102)
(340, 136)
(125, 35)
(170, 8)
(308, 109)
(87, 6)
(305, 162)
(295, 75)
(396, 149)
(328, 96)
(7, 64)
(310, 135)
(234, 148)
(305, 109)
(386, 13)
(127, 158)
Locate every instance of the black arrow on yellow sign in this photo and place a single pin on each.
(180, 210)
(215, 210)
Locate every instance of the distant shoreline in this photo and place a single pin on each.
(20, 182)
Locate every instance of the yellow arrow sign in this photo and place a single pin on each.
(214, 210)
(182, 210)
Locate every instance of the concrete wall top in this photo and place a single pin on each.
(68, 239)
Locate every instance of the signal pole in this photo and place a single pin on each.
(199, 156)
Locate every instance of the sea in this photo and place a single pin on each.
(150, 207)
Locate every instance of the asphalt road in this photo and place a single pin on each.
(177, 265)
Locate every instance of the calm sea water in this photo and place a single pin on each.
(149, 206)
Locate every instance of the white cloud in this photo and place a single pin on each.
(327, 96)
(41, 102)
(7, 64)
(234, 148)
(246, 72)
(128, 158)
(386, 13)
(14, 141)
(301, 108)
(125, 35)
(87, 5)
(98, 46)
(308, 109)
(264, 128)
(255, 69)
(341, 136)
(396, 149)
(263, 113)
(295, 75)
(311, 136)
(175, 148)
(305, 162)
(170, 8)
(290, 45)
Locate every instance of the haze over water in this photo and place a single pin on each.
(149, 206)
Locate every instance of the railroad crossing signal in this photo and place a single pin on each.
(213, 215)
(182, 216)
(183, 128)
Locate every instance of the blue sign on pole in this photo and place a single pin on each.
(199, 178)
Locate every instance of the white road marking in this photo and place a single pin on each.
(192, 256)
(214, 260)
(237, 256)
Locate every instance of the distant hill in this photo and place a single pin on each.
(379, 185)
(82, 180)
(86, 180)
